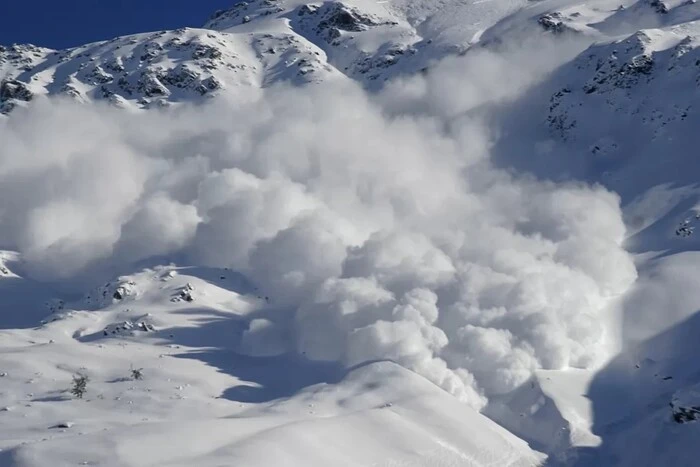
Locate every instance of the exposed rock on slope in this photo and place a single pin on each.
(156, 69)
(635, 81)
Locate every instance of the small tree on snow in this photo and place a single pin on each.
(79, 386)
(137, 373)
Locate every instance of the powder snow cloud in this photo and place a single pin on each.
(377, 224)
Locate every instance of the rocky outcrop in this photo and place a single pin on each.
(331, 20)
(554, 23)
(21, 57)
(685, 405)
(110, 293)
(12, 91)
(127, 328)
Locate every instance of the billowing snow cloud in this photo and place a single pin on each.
(376, 223)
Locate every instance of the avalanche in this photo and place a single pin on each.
(355, 233)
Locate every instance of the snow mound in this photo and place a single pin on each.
(397, 418)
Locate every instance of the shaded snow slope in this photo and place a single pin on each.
(646, 398)
(624, 113)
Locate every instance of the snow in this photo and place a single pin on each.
(193, 384)
(425, 233)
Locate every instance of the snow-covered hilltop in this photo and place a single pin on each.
(358, 232)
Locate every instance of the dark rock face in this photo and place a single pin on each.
(12, 91)
(333, 19)
(22, 56)
(345, 19)
(99, 76)
(150, 86)
(208, 85)
(554, 23)
(391, 56)
(659, 6)
(203, 51)
(181, 76)
(640, 64)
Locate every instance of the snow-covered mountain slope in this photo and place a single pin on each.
(646, 397)
(624, 113)
(648, 80)
(264, 42)
(253, 44)
(178, 327)
(157, 69)
(380, 226)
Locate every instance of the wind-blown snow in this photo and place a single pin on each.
(376, 234)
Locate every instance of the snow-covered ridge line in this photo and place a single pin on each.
(158, 69)
(262, 42)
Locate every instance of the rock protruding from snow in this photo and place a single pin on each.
(128, 328)
(138, 71)
(184, 294)
(63, 425)
(111, 292)
(331, 20)
(631, 82)
(685, 405)
(555, 23)
(12, 91)
(22, 57)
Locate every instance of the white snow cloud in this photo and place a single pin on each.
(379, 220)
